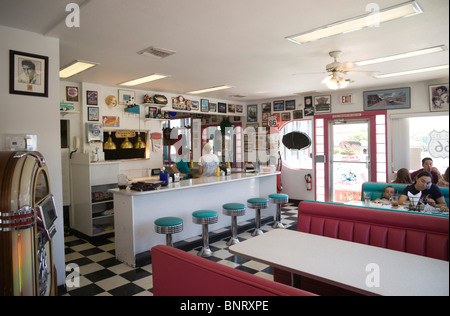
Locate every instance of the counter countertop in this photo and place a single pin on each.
(190, 183)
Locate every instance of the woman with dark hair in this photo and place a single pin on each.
(403, 176)
(423, 189)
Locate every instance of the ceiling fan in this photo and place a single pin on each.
(336, 70)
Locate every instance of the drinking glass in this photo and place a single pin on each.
(122, 181)
(367, 198)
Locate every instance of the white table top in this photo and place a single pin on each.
(344, 263)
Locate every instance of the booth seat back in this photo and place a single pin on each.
(377, 189)
(178, 273)
(413, 233)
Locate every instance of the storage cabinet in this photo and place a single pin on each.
(92, 211)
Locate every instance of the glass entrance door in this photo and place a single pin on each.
(350, 159)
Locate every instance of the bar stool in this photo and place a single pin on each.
(169, 226)
(234, 210)
(257, 204)
(278, 199)
(205, 217)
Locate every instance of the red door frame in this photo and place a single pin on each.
(366, 115)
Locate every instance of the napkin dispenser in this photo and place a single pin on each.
(175, 177)
(249, 167)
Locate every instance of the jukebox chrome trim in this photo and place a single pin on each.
(21, 219)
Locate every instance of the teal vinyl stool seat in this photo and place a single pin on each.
(205, 217)
(257, 204)
(169, 226)
(234, 210)
(278, 199)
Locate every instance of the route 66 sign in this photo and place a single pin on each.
(438, 145)
(273, 121)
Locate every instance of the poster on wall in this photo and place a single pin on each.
(111, 121)
(439, 97)
(28, 74)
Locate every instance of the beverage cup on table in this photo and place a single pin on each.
(394, 200)
(122, 181)
(367, 198)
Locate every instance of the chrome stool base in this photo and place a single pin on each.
(234, 210)
(205, 218)
(278, 199)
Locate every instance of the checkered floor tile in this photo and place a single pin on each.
(103, 275)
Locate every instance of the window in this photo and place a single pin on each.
(183, 127)
(414, 138)
(296, 159)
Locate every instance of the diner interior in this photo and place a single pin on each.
(313, 111)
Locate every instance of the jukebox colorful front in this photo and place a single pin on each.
(27, 216)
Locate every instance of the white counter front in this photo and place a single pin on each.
(135, 212)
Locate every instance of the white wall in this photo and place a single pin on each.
(36, 115)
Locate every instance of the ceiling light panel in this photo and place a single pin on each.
(392, 13)
(75, 68)
(142, 80)
(415, 53)
(210, 89)
(410, 72)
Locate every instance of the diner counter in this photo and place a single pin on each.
(135, 211)
(192, 183)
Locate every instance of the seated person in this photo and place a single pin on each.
(444, 181)
(427, 164)
(388, 193)
(403, 176)
(181, 166)
(429, 193)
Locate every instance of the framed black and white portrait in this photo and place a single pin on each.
(28, 74)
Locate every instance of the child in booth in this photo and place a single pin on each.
(388, 193)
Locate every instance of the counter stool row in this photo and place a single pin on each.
(172, 225)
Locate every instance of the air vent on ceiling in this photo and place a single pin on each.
(237, 96)
(156, 52)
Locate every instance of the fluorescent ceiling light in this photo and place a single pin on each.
(392, 13)
(415, 53)
(209, 89)
(410, 72)
(144, 80)
(75, 68)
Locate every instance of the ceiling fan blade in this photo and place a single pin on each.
(364, 73)
(347, 65)
(326, 79)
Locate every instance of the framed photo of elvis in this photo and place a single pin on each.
(28, 74)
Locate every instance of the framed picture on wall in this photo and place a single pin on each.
(388, 99)
(278, 105)
(28, 74)
(204, 105)
(290, 105)
(438, 97)
(93, 114)
(222, 107)
(322, 104)
(252, 113)
(125, 96)
(92, 97)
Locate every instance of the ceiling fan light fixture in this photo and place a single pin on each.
(336, 83)
(406, 9)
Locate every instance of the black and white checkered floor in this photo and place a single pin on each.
(103, 275)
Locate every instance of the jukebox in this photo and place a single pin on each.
(27, 216)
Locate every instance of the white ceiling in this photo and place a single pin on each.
(235, 42)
